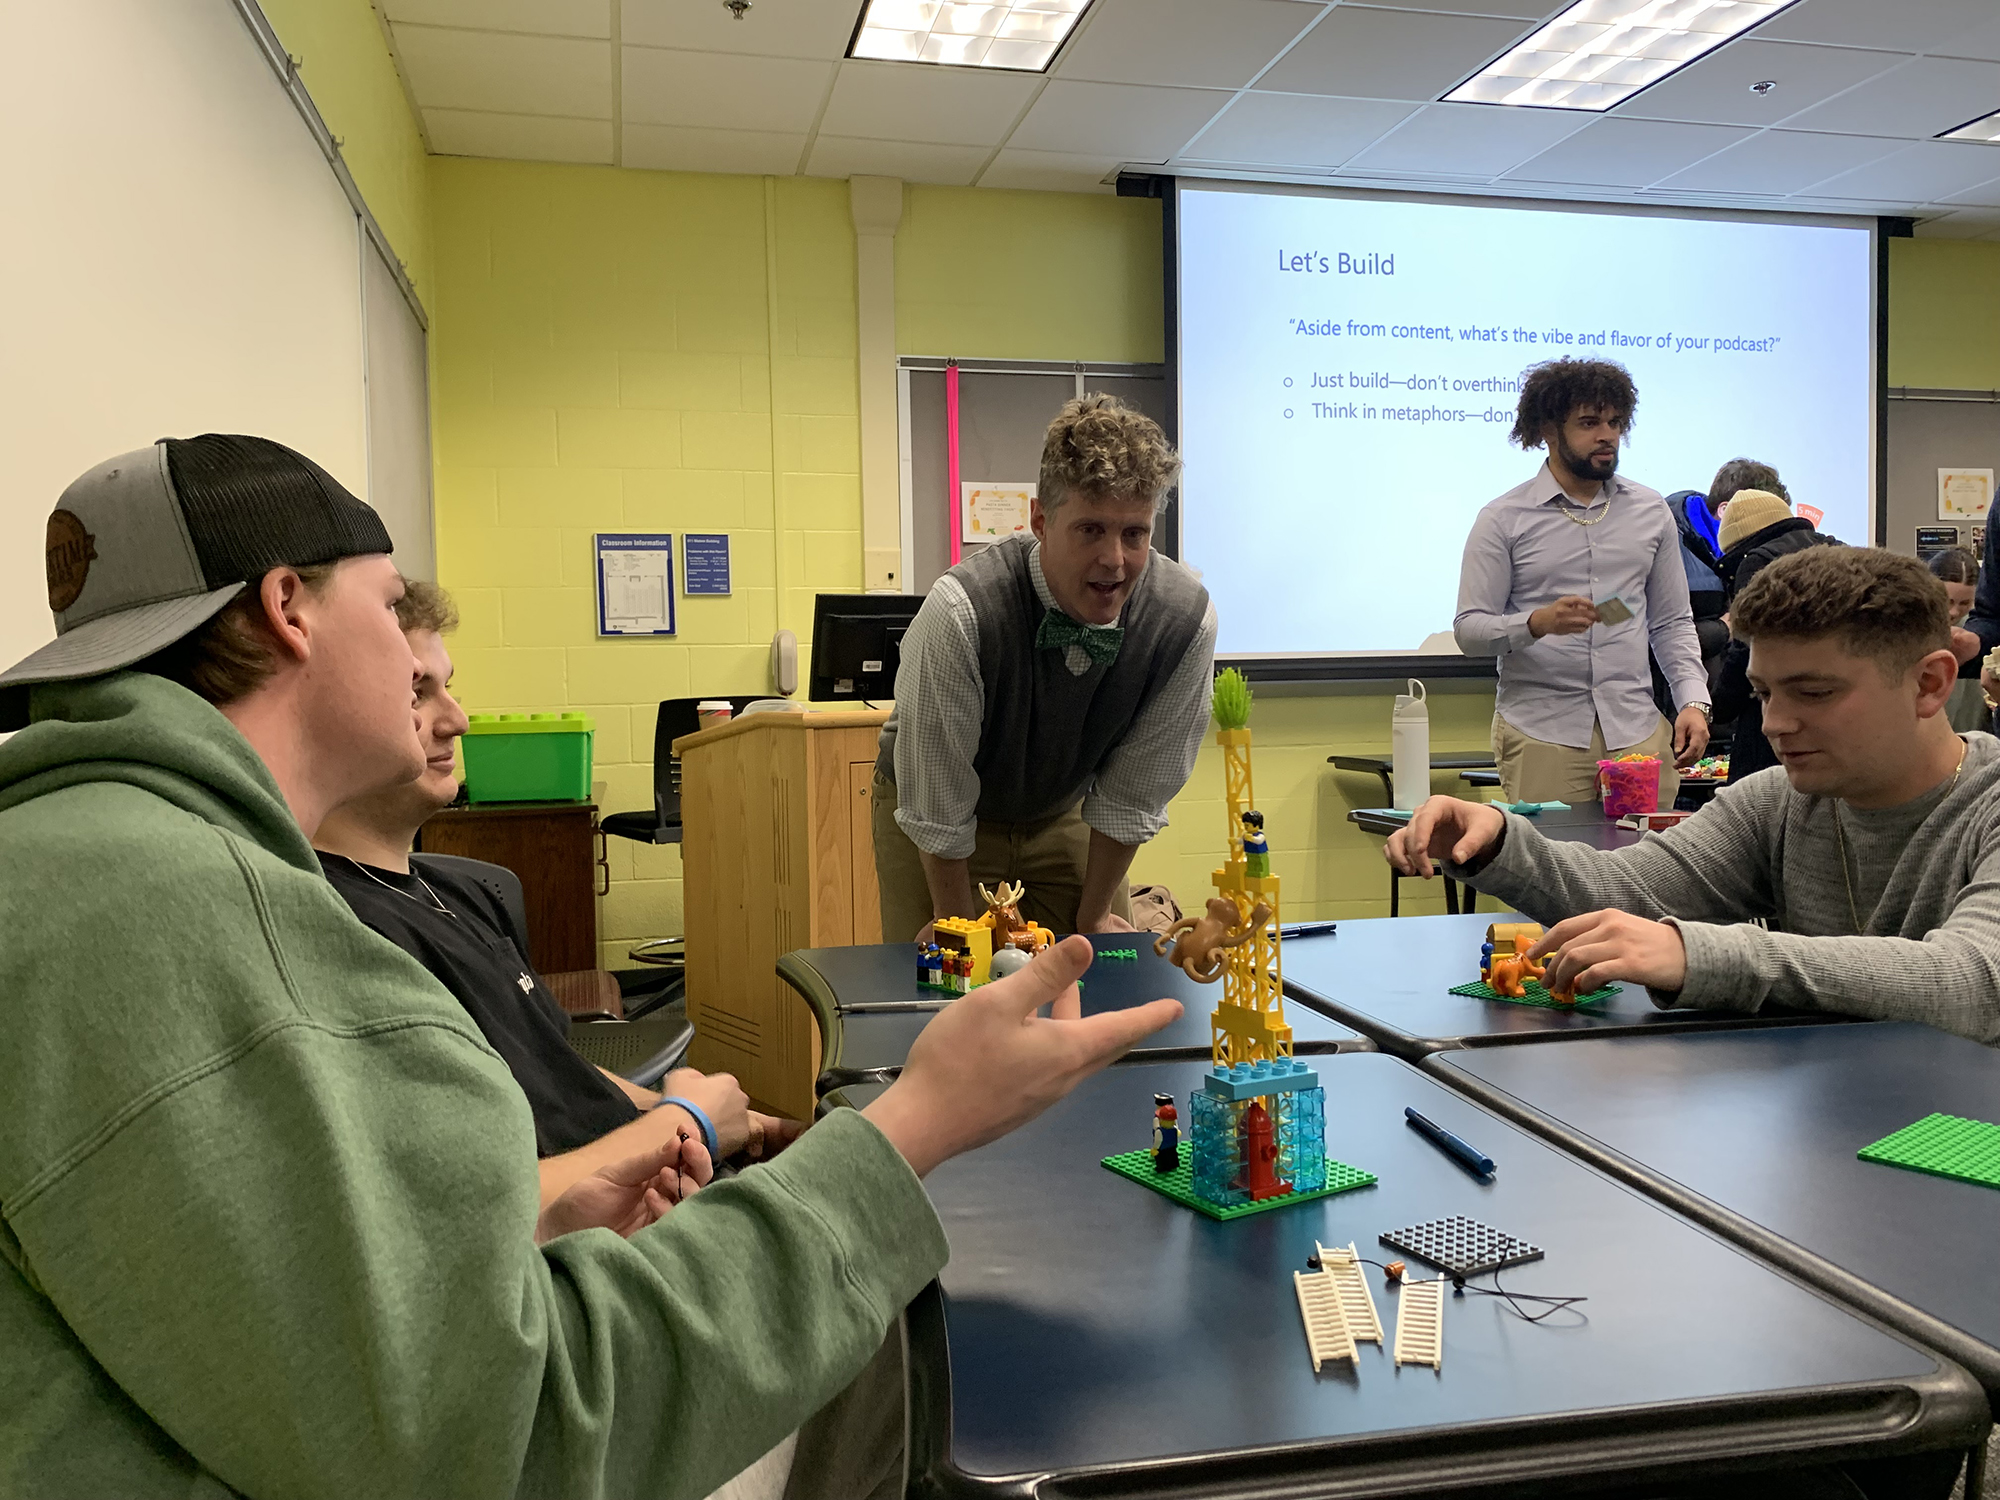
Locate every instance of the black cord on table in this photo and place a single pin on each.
(1512, 1299)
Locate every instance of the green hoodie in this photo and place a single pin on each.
(269, 1200)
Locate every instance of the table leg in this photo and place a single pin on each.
(1450, 894)
(1395, 895)
(1388, 790)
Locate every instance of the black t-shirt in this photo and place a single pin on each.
(471, 955)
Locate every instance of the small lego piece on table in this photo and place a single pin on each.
(1420, 1324)
(1394, 1270)
(1129, 955)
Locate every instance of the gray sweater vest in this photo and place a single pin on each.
(1046, 732)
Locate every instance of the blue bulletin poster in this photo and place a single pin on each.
(705, 558)
(635, 583)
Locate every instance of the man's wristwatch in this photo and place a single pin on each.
(1707, 713)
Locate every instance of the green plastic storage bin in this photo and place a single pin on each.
(528, 757)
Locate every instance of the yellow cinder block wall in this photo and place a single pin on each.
(637, 351)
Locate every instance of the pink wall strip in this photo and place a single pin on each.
(951, 456)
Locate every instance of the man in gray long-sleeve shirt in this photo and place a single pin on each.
(1575, 686)
(1872, 851)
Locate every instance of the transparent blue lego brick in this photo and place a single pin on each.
(1302, 1139)
(1218, 1161)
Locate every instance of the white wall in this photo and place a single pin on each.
(177, 258)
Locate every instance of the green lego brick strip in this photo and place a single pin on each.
(1944, 1146)
(1179, 1184)
(1131, 953)
(1536, 995)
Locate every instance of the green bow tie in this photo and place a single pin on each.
(1059, 632)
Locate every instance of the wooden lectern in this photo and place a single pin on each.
(776, 854)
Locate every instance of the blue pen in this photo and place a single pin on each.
(1466, 1154)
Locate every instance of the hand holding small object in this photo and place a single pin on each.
(1601, 946)
(627, 1195)
(1443, 828)
(1570, 615)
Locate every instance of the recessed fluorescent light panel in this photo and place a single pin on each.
(1985, 128)
(1016, 34)
(1601, 52)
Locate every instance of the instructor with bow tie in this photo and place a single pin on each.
(1052, 696)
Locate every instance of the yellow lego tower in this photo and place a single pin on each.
(1249, 1025)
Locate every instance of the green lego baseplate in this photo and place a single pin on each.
(1479, 990)
(1944, 1146)
(1179, 1184)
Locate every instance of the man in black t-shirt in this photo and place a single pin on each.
(585, 1117)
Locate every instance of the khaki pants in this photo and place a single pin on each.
(1533, 770)
(1047, 857)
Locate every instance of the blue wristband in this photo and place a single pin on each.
(707, 1125)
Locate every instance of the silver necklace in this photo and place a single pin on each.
(1840, 836)
(400, 891)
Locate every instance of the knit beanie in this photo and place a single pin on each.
(1749, 512)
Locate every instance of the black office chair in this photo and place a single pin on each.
(662, 825)
(641, 1051)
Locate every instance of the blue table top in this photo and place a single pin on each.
(1390, 978)
(1095, 1324)
(1755, 1134)
(886, 973)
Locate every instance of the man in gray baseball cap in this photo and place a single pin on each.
(272, 1218)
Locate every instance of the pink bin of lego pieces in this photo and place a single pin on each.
(1629, 786)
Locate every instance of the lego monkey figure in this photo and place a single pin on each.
(1198, 941)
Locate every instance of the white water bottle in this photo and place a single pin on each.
(1410, 747)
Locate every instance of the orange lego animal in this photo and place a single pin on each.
(1010, 928)
(1198, 942)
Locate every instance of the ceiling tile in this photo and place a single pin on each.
(707, 90)
(674, 149)
(1116, 119)
(1983, 40)
(770, 28)
(1627, 153)
(1985, 194)
(590, 18)
(1469, 140)
(465, 132)
(1195, 43)
(948, 106)
(1776, 162)
(1390, 54)
(1716, 89)
(845, 156)
(1307, 130)
(1899, 25)
(1922, 173)
(1919, 99)
(507, 74)
(1050, 171)
(1525, 10)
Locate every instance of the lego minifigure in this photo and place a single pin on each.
(1166, 1134)
(1256, 849)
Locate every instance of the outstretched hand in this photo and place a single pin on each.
(989, 1062)
(627, 1195)
(1601, 946)
(1444, 828)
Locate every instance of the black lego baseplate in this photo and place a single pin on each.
(1462, 1246)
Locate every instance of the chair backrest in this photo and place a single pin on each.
(502, 881)
(677, 717)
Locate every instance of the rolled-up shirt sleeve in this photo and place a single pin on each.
(940, 711)
(1484, 626)
(1148, 767)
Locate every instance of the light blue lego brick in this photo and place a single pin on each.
(1255, 1080)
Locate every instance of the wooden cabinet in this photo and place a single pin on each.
(776, 854)
(550, 845)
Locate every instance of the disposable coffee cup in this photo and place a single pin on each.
(711, 712)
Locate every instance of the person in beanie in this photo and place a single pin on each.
(1052, 695)
(1758, 528)
(273, 1220)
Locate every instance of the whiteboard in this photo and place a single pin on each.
(180, 259)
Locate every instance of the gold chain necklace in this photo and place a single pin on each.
(1570, 512)
(1840, 836)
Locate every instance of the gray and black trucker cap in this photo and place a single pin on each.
(146, 547)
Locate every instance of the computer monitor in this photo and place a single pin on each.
(858, 644)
